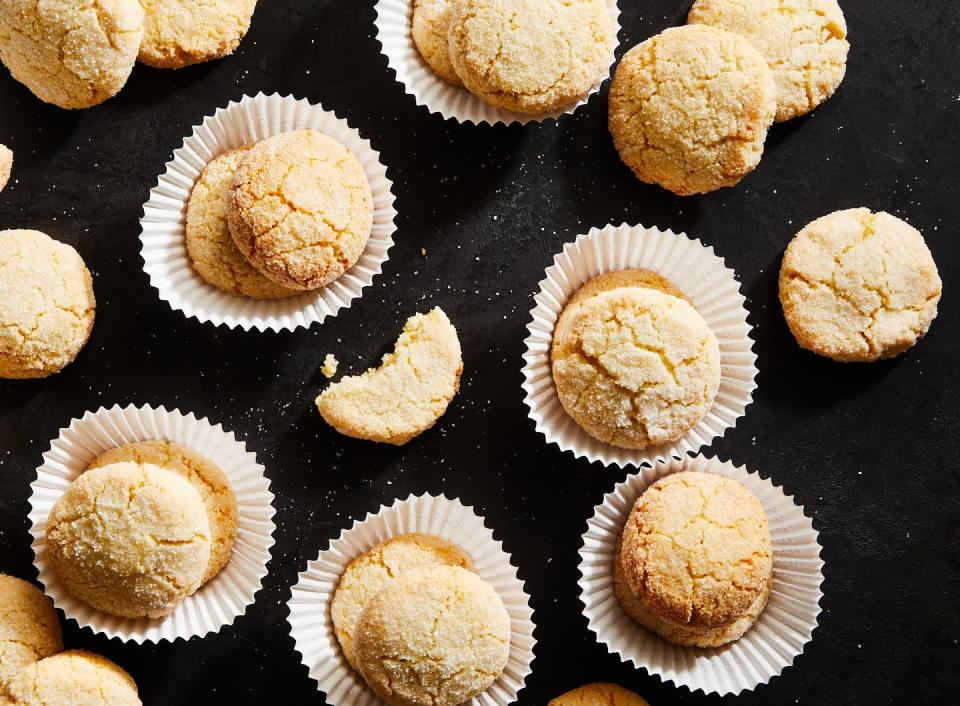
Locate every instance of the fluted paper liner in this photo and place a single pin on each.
(709, 285)
(222, 599)
(312, 627)
(163, 240)
(778, 637)
(394, 32)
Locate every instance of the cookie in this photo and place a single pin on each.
(696, 559)
(804, 42)
(531, 56)
(300, 209)
(410, 390)
(46, 304)
(29, 628)
(6, 165)
(131, 540)
(430, 28)
(858, 286)
(689, 109)
(213, 253)
(370, 572)
(633, 365)
(73, 678)
(206, 478)
(598, 695)
(180, 33)
(433, 637)
(71, 54)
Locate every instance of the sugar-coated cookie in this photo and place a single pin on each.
(131, 540)
(430, 29)
(29, 628)
(689, 109)
(370, 572)
(73, 678)
(300, 208)
(72, 54)
(434, 637)
(598, 695)
(6, 165)
(213, 253)
(804, 42)
(531, 56)
(46, 304)
(206, 477)
(858, 286)
(410, 390)
(180, 33)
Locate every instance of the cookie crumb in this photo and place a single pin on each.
(330, 365)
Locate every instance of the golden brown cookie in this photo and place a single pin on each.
(180, 33)
(29, 628)
(73, 678)
(598, 695)
(430, 28)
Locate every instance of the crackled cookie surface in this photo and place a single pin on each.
(300, 209)
(73, 678)
(531, 56)
(410, 390)
(370, 572)
(179, 33)
(804, 42)
(430, 29)
(46, 304)
(71, 54)
(602, 694)
(29, 628)
(131, 540)
(6, 165)
(858, 286)
(434, 637)
(689, 109)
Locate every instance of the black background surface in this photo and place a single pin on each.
(870, 450)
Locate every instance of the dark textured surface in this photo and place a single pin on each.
(871, 451)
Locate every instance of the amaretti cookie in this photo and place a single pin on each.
(73, 678)
(180, 33)
(689, 109)
(858, 286)
(804, 42)
(29, 628)
(530, 56)
(71, 54)
(410, 390)
(300, 209)
(430, 29)
(46, 304)
(131, 540)
(434, 637)
(602, 694)
(694, 563)
(6, 165)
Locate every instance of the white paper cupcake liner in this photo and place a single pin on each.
(778, 637)
(218, 602)
(164, 248)
(394, 32)
(312, 627)
(706, 282)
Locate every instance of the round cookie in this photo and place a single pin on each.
(370, 572)
(300, 208)
(858, 286)
(689, 109)
(213, 253)
(430, 28)
(29, 628)
(434, 637)
(6, 165)
(598, 695)
(804, 42)
(74, 678)
(180, 33)
(131, 540)
(634, 366)
(696, 559)
(531, 56)
(207, 479)
(46, 304)
(70, 54)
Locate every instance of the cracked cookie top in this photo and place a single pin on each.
(6, 165)
(602, 694)
(633, 365)
(430, 29)
(696, 550)
(300, 209)
(690, 109)
(804, 42)
(29, 628)
(46, 304)
(131, 540)
(531, 56)
(74, 677)
(71, 54)
(858, 286)
(434, 637)
(180, 33)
